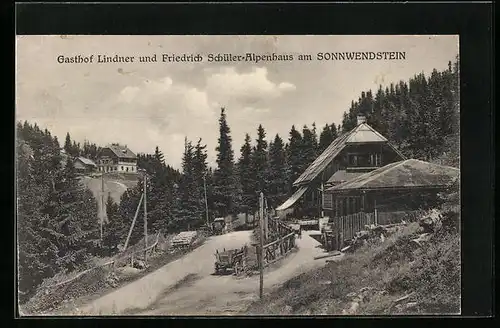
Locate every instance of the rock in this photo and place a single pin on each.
(423, 238)
(325, 282)
(411, 305)
(354, 308)
(364, 289)
(399, 307)
(288, 309)
(352, 294)
(431, 222)
(382, 238)
(363, 234)
(139, 264)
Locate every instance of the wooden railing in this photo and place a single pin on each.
(282, 229)
(345, 227)
(280, 247)
(113, 263)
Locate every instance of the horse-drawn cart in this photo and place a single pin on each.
(233, 260)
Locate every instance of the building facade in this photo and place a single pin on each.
(402, 186)
(352, 154)
(117, 158)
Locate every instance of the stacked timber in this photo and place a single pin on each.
(184, 239)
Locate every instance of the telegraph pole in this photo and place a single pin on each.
(266, 220)
(322, 191)
(145, 219)
(102, 205)
(261, 242)
(206, 202)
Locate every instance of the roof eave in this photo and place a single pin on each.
(386, 188)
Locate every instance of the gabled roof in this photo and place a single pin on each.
(410, 173)
(363, 133)
(121, 151)
(86, 161)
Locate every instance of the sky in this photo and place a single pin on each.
(144, 105)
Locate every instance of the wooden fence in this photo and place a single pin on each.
(278, 227)
(116, 262)
(350, 224)
(345, 227)
(280, 247)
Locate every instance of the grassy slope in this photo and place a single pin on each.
(389, 270)
(115, 185)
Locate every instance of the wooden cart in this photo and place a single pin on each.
(231, 261)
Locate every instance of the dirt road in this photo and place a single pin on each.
(187, 286)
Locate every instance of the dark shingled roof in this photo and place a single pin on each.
(121, 151)
(342, 176)
(363, 133)
(410, 173)
(87, 161)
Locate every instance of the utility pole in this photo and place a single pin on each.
(145, 219)
(261, 246)
(206, 201)
(102, 205)
(266, 220)
(322, 199)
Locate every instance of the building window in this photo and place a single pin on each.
(127, 169)
(376, 159)
(353, 160)
(122, 168)
(359, 160)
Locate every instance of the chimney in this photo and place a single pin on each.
(361, 119)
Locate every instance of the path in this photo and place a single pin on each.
(187, 286)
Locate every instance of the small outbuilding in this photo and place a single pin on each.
(84, 165)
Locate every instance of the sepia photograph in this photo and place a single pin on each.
(238, 175)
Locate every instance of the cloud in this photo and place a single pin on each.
(228, 86)
(163, 101)
(285, 86)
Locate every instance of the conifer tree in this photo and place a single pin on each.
(259, 164)
(308, 148)
(245, 176)
(278, 181)
(200, 167)
(294, 155)
(114, 230)
(68, 145)
(224, 191)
